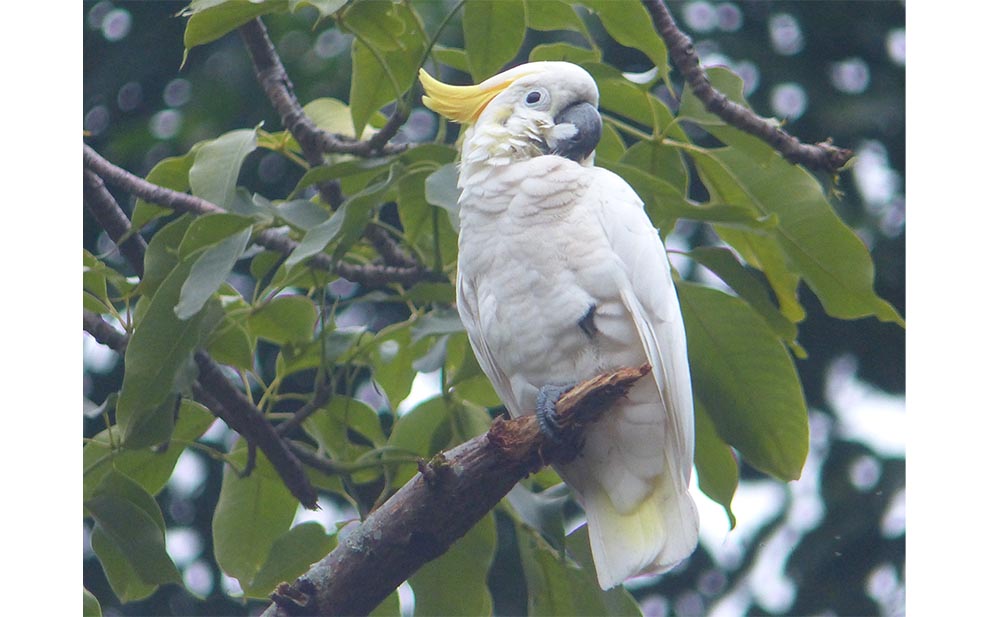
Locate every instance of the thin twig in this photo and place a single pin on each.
(822, 156)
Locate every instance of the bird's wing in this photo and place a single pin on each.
(468, 306)
(650, 297)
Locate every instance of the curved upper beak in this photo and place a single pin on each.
(578, 145)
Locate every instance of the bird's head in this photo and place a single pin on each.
(533, 109)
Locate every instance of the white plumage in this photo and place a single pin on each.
(561, 276)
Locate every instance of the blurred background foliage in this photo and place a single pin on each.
(834, 542)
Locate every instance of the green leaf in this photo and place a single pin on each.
(372, 84)
(161, 256)
(563, 52)
(212, 19)
(90, 605)
(748, 285)
(123, 579)
(763, 251)
(424, 431)
(660, 161)
(171, 173)
(347, 428)
(290, 557)
(450, 56)
(329, 114)
(818, 246)
(391, 361)
(629, 24)
(553, 15)
(251, 514)
(346, 224)
(213, 175)
(716, 467)
(611, 147)
(159, 349)
(375, 22)
(557, 586)
(285, 319)
(150, 468)
(492, 33)
(744, 378)
(209, 272)
(437, 322)
(441, 191)
(129, 521)
(456, 583)
(232, 342)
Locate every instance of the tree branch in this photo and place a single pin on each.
(439, 505)
(822, 156)
(276, 84)
(108, 214)
(274, 80)
(370, 275)
(233, 407)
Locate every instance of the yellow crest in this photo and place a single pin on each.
(464, 104)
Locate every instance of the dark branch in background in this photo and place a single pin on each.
(251, 423)
(439, 505)
(233, 407)
(108, 214)
(315, 142)
(274, 80)
(103, 332)
(371, 275)
(822, 156)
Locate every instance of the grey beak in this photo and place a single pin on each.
(586, 119)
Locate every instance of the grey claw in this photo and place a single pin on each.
(545, 411)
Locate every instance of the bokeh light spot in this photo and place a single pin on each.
(331, 43)
(851, 76)
(177, 92)
(96, 120)
(785, 34)
(865, 471)
(895, 46)
(130, 96)
(789, 100)
(116, 24)
(165, 124)
(700, 16)
(729, 17)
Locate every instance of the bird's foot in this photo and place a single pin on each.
(545, 411)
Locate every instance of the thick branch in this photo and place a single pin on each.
(371, 275)
(440, 504)
(822, 156)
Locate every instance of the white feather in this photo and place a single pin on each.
(542, 239)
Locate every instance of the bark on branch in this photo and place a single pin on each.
(439, 505)
(314, 141)
(821, 156)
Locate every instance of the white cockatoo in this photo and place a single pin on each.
(561, 276)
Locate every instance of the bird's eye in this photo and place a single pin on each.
(535, 97)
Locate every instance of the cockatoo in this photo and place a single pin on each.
(561, 276)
